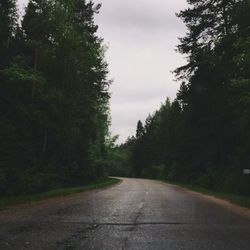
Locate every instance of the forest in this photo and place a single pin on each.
(54, 101)
(54, 96)
(203, 136)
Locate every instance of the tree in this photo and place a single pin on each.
(54, 99)
(8, 25)
(139, 130)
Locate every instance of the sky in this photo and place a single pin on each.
(141, 36)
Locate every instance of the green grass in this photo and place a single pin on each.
(241, 200)
(24, 199)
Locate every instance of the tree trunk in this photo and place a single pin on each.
(33, 92)
(45, 138)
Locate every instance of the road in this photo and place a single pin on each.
(136, 214)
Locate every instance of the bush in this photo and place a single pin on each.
(2, 182)
(154, 172)
(236, 182)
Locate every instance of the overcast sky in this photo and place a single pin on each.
(141, 36)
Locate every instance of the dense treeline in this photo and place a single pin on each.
(203, 136)
(54, 112)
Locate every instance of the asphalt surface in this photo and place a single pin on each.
(136, 214)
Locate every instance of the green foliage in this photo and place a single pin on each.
(8, 26)
(54, 99)
(118, 159)
(203, 136)
(155, 172)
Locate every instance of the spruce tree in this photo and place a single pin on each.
(8, 25)
(139, 130)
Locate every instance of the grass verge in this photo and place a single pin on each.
(24, 199)
(240, 200)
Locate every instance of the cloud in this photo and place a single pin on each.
(142, 36)
(140, 14)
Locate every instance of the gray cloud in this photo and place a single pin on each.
(142, 36)
(140, 14)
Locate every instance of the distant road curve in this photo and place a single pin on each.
(136, 214)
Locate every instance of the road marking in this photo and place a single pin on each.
(141, 205)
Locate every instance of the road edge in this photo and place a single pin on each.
(241, 210)
(28, 200)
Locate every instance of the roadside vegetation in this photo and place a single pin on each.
(24, 199)
(241, 200)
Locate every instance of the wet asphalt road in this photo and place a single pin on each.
(136, 214)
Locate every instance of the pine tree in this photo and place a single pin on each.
(8, 25)
(36, 27)
(139, 130)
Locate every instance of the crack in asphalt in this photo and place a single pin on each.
(73, 240)
(95, 224)
(135, 224)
